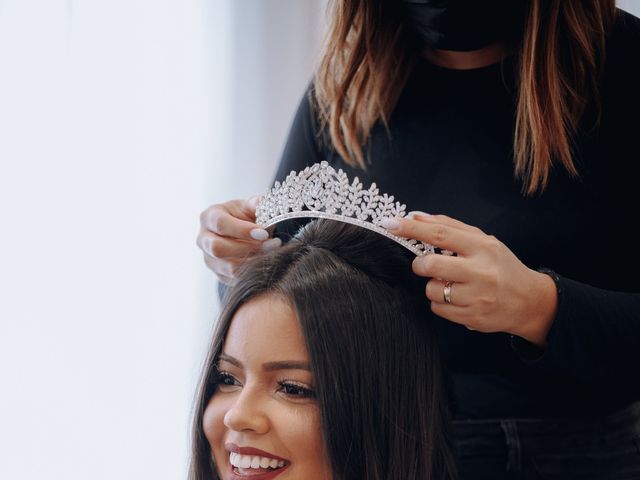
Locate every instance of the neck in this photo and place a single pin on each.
(454, 60)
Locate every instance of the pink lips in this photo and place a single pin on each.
(232, 475)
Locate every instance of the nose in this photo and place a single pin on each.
(248, 413)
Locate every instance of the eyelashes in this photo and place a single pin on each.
(296, 390)
(225, 382)
(222, 378)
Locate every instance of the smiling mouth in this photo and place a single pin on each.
(249, 465)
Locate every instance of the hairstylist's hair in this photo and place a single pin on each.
(372, 349)
(368, 56)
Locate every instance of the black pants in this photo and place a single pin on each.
(524, 449)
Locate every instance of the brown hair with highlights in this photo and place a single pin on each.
(368, 56)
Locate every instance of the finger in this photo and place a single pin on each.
(230, 221)
(456, 314)
(437, 234)
(460, 294)
(245, 209)
(453, 313)
(457, 269)
(445, 220)
(222, 268)
(216, 246)
(228, 281)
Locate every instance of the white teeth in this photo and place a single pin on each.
(253, 461)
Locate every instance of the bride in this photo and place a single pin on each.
(323, 366)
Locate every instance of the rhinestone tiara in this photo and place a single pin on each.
(319, 191)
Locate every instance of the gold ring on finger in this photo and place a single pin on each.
(446, 293)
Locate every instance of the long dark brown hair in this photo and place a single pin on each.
(372, 348)
(368, 56)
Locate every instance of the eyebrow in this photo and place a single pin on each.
(270, 366)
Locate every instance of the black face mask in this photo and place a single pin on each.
(465, 25)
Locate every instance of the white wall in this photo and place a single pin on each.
(106, 114)
(274, 50)
(120, 121)
(631, 6)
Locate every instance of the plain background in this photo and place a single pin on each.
(120, 121)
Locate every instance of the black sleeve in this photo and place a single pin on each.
(302, 147)
(595, 337)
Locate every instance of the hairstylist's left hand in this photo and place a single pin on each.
(491, 289)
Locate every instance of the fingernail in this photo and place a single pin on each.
(259, 234)
(271, 244)
(390, 223)
(417, 213)
(253, 201)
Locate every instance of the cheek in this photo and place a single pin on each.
(304, 438)
(214, 428)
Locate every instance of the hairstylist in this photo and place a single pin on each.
(516, 122)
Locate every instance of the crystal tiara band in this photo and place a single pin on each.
(319, 191)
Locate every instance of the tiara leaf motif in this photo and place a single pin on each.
(319, 191)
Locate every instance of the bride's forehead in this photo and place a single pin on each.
(265, 326)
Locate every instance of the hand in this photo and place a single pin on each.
(228, 236)
(492, 290)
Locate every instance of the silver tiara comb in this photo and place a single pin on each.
(319, 191)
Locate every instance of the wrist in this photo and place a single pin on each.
(542, 310)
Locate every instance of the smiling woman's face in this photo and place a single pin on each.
(263, 421)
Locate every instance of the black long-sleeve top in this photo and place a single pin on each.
(450, 152)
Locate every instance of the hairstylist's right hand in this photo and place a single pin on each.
(228, 236)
